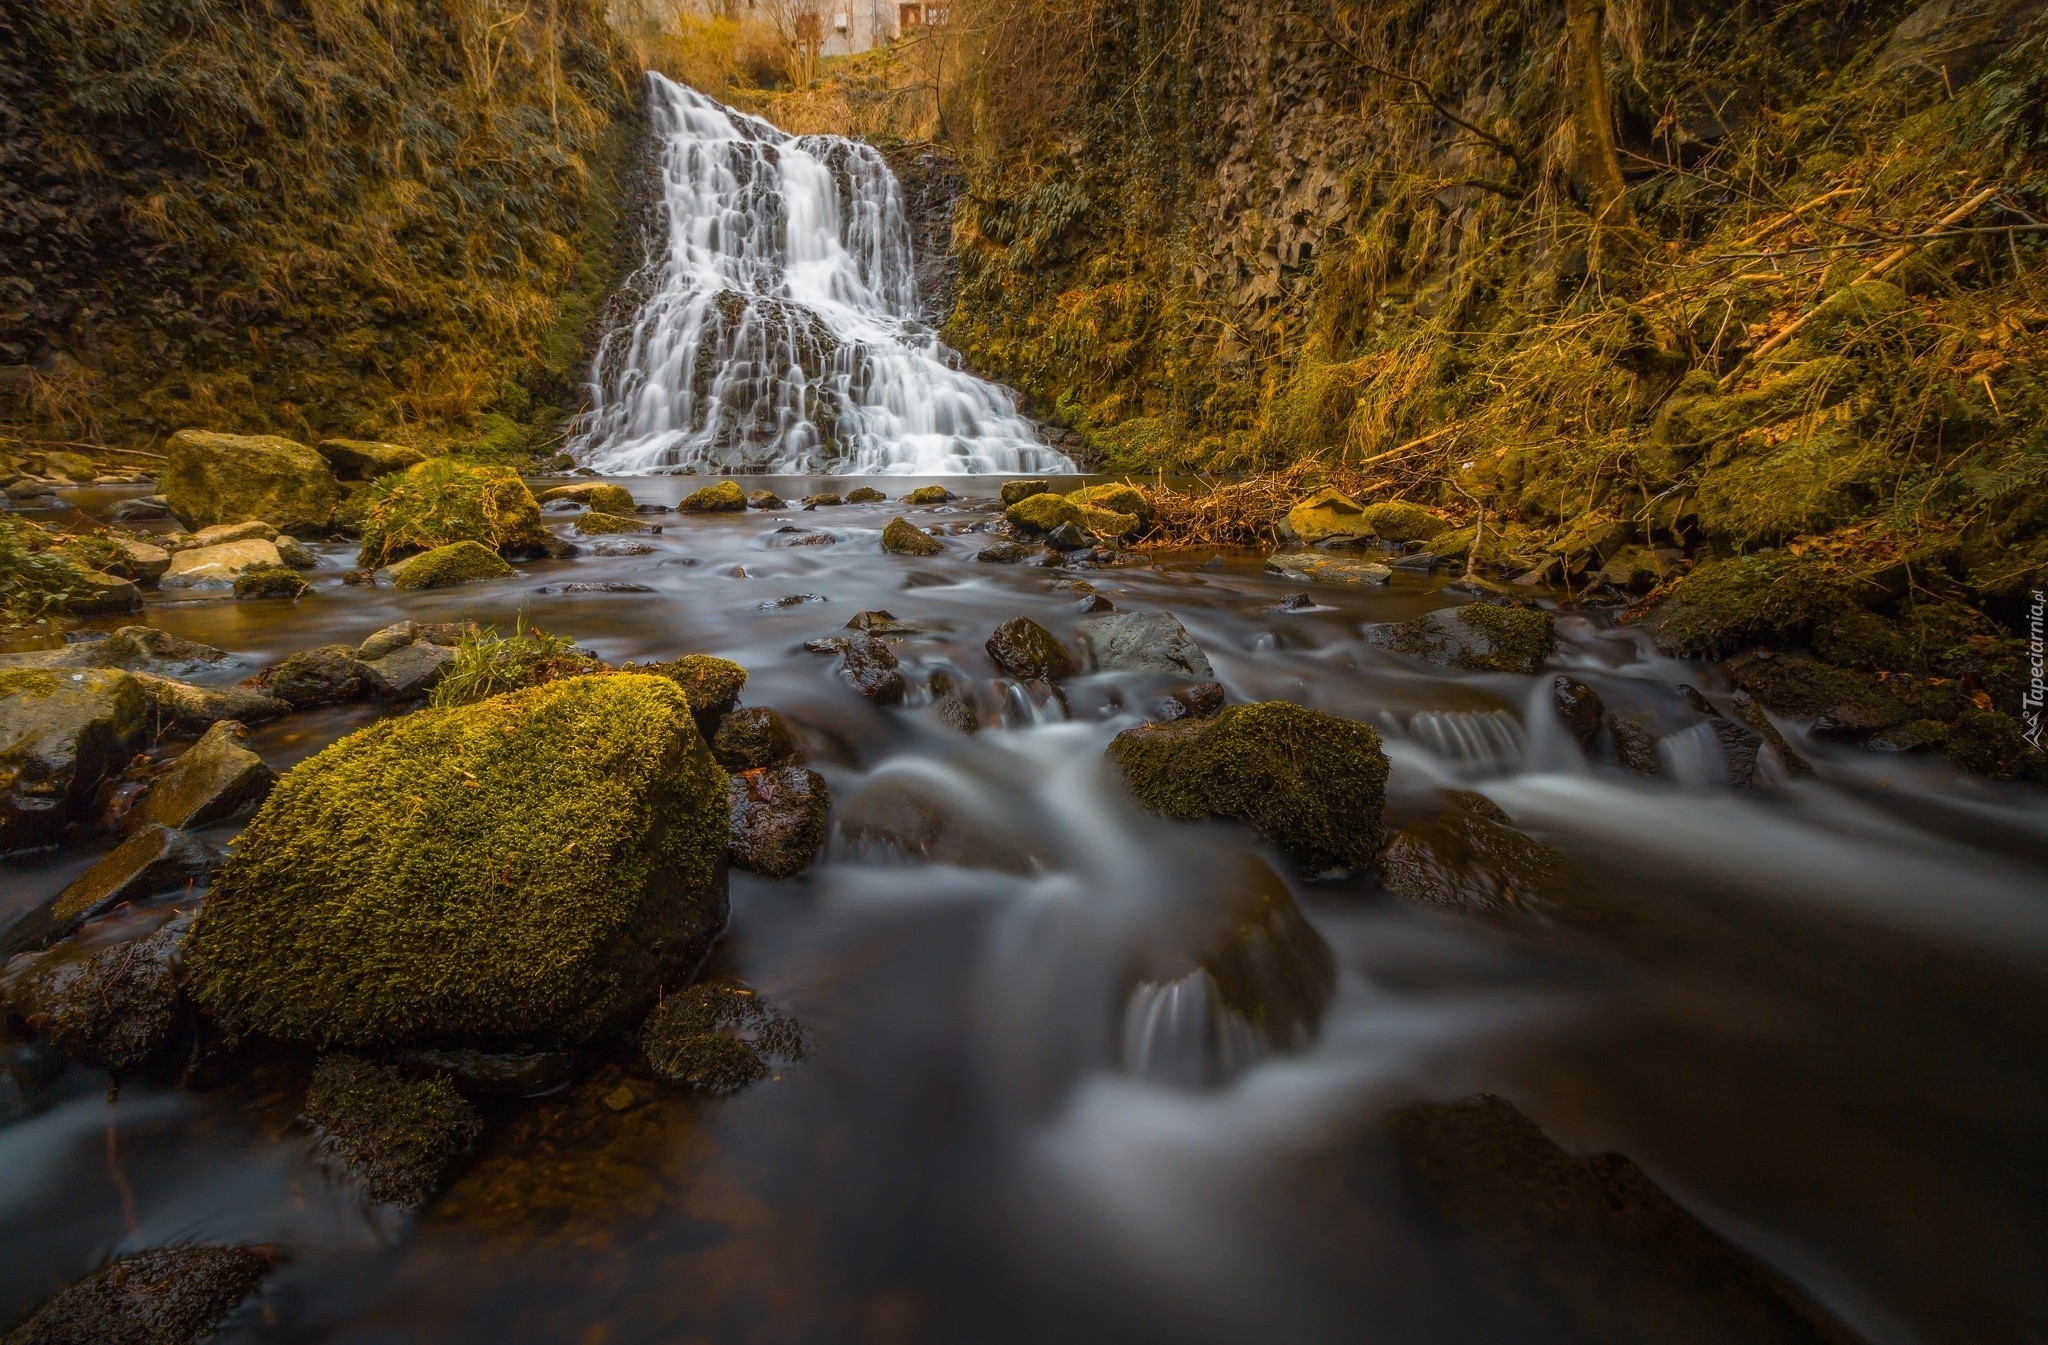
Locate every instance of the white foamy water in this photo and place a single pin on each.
(780, 332)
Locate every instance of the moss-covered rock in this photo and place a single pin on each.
(602, 496)
(446, 566)
(718, 1038)
(366, 459)
(61, 734)
(1116, 497)
(1699, 417)
(1990, 742)
(1726, 604)
(397, 1136)
(904, 538)
(269, 581)
(532, 866)
(1045, 513)
(1402, 521)
(929, 495)
(225, 478)
(1014, 491)
(724, 498)
(865, 495)
(442, 501)
(115, 1007)
(597, 523)
(169, 1296)
(1328, 516)
(1312, 784)
(1478, 637)
(710, 684)
(749, 738)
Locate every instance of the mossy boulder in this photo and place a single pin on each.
(223, 478)
(270, 581)
(1478, 637)
(929, 495)
(1401, 521)
(1046, 513)
(904, 538)
(1723, 605)
(397, 1136)
(764, 499)
(710, 684)
(169, 1296)
(1328, 516)
(533, 866)
(597, 523)
(219, 565)
(724, 498)
(441, 502)
(61, 734)
(1013, 491)
(1118, 497)
(446, 566)
(1311, 783)
(602, 496)
(1699, 417)
(366, 459)
(865, 495)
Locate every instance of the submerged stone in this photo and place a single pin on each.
(1478, 637)
(1312, 784)
(169, 1296)
(718, 1038)
(532, 866)
(397, 1136)
(1588, 1248)
(1013, 491)
(778, 819)
(1578, 705)
(154, 859)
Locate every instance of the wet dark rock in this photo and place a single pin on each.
(878, 622)
(750, 738)
(1471, 859)
(132, 648)
(657, 509)
(1152, 642)
(1753, 715)
(1001, 553)
(516, 1074)
(1580, 708)
(61, 734)
(1013, 491)
(216, 779)
(764, 499)
(184, 708)
(1738, 746)
(871, 665)
(794, 537)
(1046, 558)
(27, 1069)
(1294, 602)
(408, 673)
(792, 600)
(1069, 537)
(170, 1296)
(562, 506)
(914, 820)
(1094, 604)
(1425, 562)
(1589, 1248)
(1855, 704)
(778, 819)
(592, 586)
(1029, 652)
(1312, 784)
(904, 538)
(1635, 745)
(117, 1007)
(1199, 701)
(329, 675)
(154, 859)
(142, 509)
(718, 1039)
(957, 712)
(865, 495)
(396, 1136)
(1478, 637)
(1213, 563)
(104, 594)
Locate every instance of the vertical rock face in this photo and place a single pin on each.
(530, 867)
(61, 734)
(226, 478)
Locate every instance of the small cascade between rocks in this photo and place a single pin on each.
(780, 332)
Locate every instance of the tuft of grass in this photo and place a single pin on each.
(487, 664)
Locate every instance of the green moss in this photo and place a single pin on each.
(904, 538)
(1041, 512)
(1014, 491)
(1116, 497)
(1311, 783)
(1478, 637)
(367, 459)
(711, 685)
(397, 1136)
(1401, 521)
(725, 497)
(599, 495)
(168, 1296)
(1687, 426)
(928, 495)
(33, 577)
(1723, 605)
(718, 1038)
(446, 566)
(596, 523)
(225, 478)
(865, 495)
(441, 502)
(1992, 743)
(1809, 484)
(271, 581)
(532, 867)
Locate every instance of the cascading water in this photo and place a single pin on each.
(780, 332)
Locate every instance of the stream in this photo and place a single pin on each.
(1814, 1012)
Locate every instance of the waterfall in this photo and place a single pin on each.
(780, 331)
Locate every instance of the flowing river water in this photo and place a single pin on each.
(1815, 1012)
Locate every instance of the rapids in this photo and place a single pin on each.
(1812, 1012)
(779, 331)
